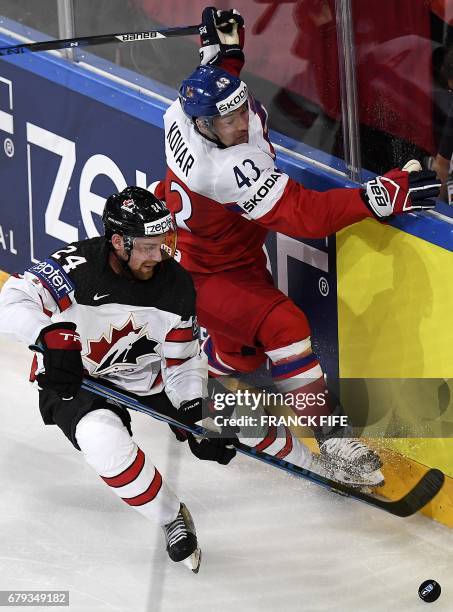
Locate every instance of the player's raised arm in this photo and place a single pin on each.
(222, 39)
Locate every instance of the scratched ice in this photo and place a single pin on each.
(270, 542)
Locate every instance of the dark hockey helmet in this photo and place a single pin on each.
(137, 213)
(211, 91)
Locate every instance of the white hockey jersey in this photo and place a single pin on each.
(138, 335)
(226, 199)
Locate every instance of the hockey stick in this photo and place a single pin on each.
(422, 493)
(84, 41)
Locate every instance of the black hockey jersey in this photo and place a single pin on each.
(139, 335)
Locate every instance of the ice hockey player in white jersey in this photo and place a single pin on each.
(226, 194)
(122, 309)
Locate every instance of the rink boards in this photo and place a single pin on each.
(69, 137)
(395, 324)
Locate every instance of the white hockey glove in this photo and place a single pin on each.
(401, 191)
(222, 35)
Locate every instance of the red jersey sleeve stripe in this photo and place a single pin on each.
(148, 495)
(129, 474)
(157, 381)
(174, 362)
(180, 335)
(44, 309)
(34, 367)
(64, 303)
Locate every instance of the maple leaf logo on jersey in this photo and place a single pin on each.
(124, 347)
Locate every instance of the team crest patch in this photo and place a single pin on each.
(123, 348)
(223, 82)
(129, 205)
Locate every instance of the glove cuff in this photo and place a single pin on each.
(52, 326)
(59, 336)
(212, 55)
(366, 201)
(191, 411)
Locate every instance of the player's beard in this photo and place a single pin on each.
(145, 271)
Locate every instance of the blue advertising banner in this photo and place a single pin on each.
(63, 153)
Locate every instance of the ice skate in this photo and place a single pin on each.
(181, 540)
(351, 462)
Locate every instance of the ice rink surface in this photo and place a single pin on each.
(270, 542)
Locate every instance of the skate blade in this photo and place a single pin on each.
(362, 482)
(193, 561)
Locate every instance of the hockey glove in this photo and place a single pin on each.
(222, 35)
(400, 191)
(189, 413)
(61, 348)
(208, 449)
(213, 449)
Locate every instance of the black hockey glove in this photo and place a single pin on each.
(400, 191)
(61, 348)
(213, 449)
(209, 449)
(222, 35)
(189, 413)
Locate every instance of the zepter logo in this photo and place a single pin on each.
(159, 227)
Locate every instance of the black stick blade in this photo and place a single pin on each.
(420, 495)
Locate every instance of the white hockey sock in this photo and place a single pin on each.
(112, 453)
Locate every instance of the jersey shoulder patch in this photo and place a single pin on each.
(73, 271)
(57, 282)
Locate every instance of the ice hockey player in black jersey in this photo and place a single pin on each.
(122, 309)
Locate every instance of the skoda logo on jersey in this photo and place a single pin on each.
(236, 99)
